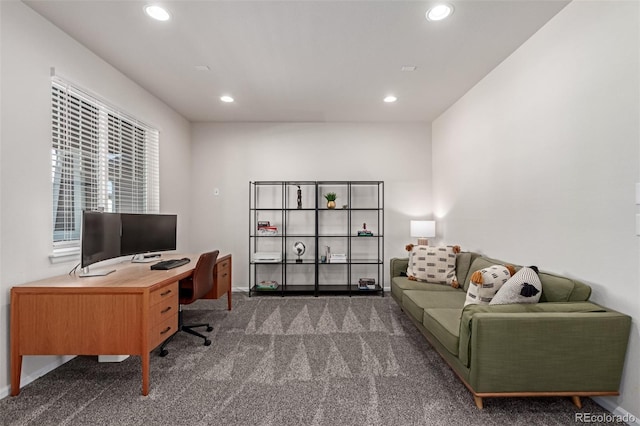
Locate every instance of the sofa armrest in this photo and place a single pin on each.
(548, 352)
(398, 266)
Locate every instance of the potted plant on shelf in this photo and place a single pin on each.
(331, 199)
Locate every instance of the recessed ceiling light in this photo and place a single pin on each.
(202, 68)
(157, 12)
(408, 68)
(390, 99)
(439, 12)
(226, 98)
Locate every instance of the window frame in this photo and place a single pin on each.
(100, 156)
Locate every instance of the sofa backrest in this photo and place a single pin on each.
(555, 288)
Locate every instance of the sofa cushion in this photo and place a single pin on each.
(523, 287)
(490, 281)
(400, 284)
(435, 265)
(414, 302)
(444, 324)
(463, 263)
(561, 289)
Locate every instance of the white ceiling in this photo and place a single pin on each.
(303, 60)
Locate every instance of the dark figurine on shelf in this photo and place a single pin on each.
(299, 197)
(364, 232)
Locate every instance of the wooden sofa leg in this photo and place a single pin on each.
(576, 401)
(478, 401)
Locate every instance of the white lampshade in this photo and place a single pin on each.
(423, 229)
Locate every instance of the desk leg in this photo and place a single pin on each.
(145, 373)
(16, 370)
(229, 299)
(16, 358)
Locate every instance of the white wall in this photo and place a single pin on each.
(228, 156)
(30, 47)
(537, 163)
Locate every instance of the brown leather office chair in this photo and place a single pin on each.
(192, 289)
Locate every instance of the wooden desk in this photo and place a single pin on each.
(130, 311)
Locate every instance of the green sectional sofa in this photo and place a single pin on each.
(562, 346)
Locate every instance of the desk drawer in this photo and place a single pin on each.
(163, 293)
(162, 331)
(222, 278)
(166, 308)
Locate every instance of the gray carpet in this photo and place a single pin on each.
(280, 361)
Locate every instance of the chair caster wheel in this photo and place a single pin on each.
(209, 328)
(164, 352)
(207, 342)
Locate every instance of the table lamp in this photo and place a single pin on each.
(423, 229)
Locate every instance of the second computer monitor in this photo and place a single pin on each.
(147, 233)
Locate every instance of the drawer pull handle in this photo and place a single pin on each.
(225, 275)
(165, 310)
(165, 331)
(165, 293)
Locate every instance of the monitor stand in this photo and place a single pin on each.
(85, 272)
(145, 258)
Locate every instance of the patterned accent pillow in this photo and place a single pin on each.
(485, 283)
(435, 265)
(523, 287)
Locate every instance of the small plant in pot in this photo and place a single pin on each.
(331, 199)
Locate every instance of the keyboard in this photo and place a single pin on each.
(170, 264)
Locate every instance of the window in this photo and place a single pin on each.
(101, 159)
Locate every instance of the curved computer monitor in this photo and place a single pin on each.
(147, 233)
(100, 237)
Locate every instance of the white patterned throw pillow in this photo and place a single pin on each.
(486, 282)
(523, 287)
(435, 265)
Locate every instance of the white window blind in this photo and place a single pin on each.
(101, 159)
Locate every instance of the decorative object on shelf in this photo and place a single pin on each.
(299, 248)
(331, 199)
(299, 197)
(345, 206)
(364, 232)
(423, 229)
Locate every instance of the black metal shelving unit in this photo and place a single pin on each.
(318, 227)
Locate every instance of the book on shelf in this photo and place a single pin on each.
(338, 258)
(367, 283)
(268, 230)
(265, 228)
(267, 256)
(267, 285)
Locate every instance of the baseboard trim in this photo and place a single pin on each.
(25, 380)
(616, 410)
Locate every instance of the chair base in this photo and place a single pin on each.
(187, 329)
